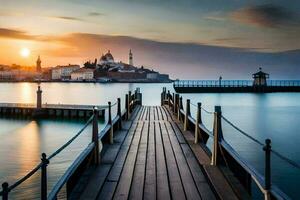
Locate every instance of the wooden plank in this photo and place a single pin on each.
(110, 154)
(161, 168)
(154, 113)
(176, 187)
(150, 177)
(178, 133)
(107, 191)
(118, 164)
(202, 184)
(96, 181)
(159, 117)
(123, 187)
(190, 188)
(164, 113)
(137, 185)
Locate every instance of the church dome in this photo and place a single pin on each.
(109, 56)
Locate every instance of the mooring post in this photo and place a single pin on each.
(5, 191)
(111, 132)
(129, 102)
(267, 149)
(198, 121)
(218, 136)
(119, 114)
(39, 97)
(169, 98)
(173, 100)
(45, 163)
(176, 103)
(162, 98)
(187, 114)
(127, 106)
(178, 109)
(95, 136)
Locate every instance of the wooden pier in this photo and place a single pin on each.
(157, 152)
(234, 86)
(49, 110)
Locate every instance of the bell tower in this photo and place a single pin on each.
(130, 58)
(38, 65)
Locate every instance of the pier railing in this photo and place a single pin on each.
(89, 156)
(223, 154)
(233, 83)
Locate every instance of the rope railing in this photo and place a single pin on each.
(291, 162)
(71, 140)
(208, 112)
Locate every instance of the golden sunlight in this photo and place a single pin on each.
(25, 52)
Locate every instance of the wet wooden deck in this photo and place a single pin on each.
(150, 159)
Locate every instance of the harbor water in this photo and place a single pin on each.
(274, 115)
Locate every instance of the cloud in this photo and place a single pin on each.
(67, 18)
(15, 34)
(95, 14)
(267, 15)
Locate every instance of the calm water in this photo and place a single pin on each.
(273, 116)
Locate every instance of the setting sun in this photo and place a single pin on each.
(25, 52)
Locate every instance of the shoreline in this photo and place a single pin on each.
(70, 81)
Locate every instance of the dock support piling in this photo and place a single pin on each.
(178, 109)
(5, 191)
(187, 114)
(119, 114)
(95, 136)
(267, 149)
(198, 121)
(218, 136)
(127, 106)
(45, 163)
(111, 132)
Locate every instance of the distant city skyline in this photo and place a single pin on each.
(186, 39)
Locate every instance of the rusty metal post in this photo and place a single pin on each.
(187, 114)
(119, 114)
(111, 132)
(198, 121)
(218, 136)
(95, 136)
(45, 163)
(267, 149)
(5, 191)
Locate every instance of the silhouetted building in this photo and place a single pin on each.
(260, 78)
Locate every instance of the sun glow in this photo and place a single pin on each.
(25, 52)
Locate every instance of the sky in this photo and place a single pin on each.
(188, 39)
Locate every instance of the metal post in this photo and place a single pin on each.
(267, 149)
(95, 136)
(198, 121)
(5, 191)
(127, 106)
(119, 114)
(111, 132)
(45, 163)
(187, 114)
(218, 136)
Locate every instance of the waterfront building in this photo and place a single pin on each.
(38, 65)
(83, 74)
(63, 72)
(260, 78)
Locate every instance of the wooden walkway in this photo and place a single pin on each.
(150, 159)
